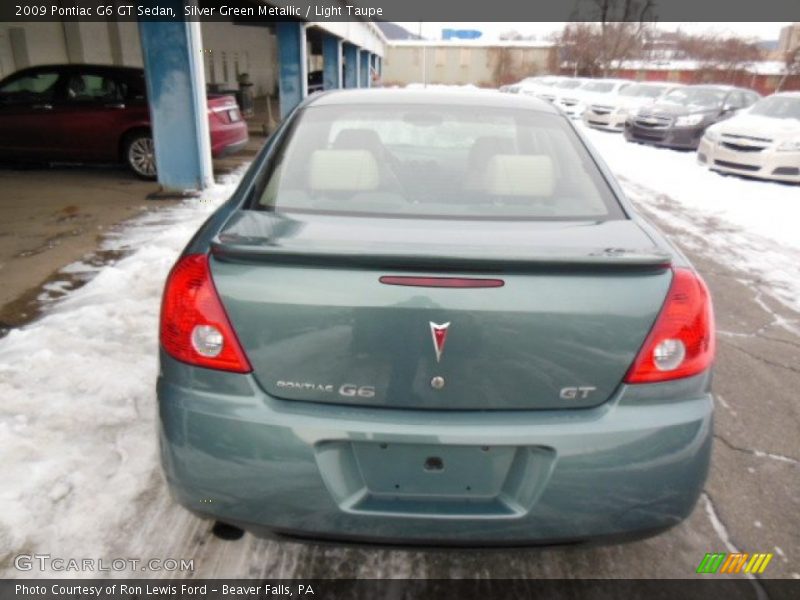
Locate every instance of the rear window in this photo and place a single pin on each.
(437, 162)
(696, 96)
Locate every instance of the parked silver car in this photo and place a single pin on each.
(763, 142)
(610, 112)
(556, 89)
(590, 92)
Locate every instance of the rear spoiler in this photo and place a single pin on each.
(603, 259)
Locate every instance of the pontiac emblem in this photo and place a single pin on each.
(439, 336)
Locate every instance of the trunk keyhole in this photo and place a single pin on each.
(434, 463)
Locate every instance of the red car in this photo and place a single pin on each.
(92, 113)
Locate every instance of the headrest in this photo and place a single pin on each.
(357, 139)
(485, 147)
(343, 171)
(478, 160)
(77, 86)
(520, 175)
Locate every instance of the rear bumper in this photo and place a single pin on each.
(766, 164)
(634, 465)
(227, 139)
(684, 138)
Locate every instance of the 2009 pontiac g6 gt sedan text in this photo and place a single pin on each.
(432, 317)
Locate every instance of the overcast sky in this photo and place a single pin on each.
(432, 30)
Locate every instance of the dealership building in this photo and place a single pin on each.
(486, 63)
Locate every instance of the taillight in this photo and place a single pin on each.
(194, 326)
(681, 342)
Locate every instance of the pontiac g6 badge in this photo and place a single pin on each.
(439, 336)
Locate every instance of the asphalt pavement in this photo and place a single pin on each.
(751, 502)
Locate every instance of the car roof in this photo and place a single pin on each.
(430, 96)
(787, 94)
(80, 67)
(610, 79)
(719, 86)
(660, 83)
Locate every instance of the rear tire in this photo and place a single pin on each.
(227, 532)
(139, 154)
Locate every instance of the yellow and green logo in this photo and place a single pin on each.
(735, 562)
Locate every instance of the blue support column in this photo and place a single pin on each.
(171, 50)
(363, 74)
(331, 62)
(350, 65)
(291, 59)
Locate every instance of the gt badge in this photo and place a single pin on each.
(439, 336)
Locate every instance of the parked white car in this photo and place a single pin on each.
(610, 113)
(529, 84)
(763, 142)
(591, 91)
(564, 85)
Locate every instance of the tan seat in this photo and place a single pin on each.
(343, 171)
(370, 141)
(521, 175)
(483, 149)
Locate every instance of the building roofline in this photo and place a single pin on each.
(473, 43)
(759, 67)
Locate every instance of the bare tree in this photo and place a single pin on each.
(791, 62)
(725, 51)
(719, 57)
(622, 29)
(577, 44)
(617, 32)
(509, 65)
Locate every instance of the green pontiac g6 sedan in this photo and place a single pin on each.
(432, 317)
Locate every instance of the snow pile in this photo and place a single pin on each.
(749, 224)
(453, 88)
(760, 67)
(78, 388)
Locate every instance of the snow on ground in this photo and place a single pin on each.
(750, 224)
(78, 390)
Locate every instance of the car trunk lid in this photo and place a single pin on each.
(306, 297)
(224, 106)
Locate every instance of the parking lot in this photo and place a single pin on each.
(83, 475)
(52, 217)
